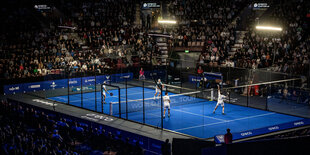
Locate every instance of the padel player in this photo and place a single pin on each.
(157, 88)
(104, 90)
(220, 100)
(167, 101)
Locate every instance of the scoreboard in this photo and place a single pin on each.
(150, 5)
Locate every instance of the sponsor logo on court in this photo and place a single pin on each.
(14, 88)
(73, 82)
(299, 123)
(44, 102)
(196, 79)
(220, 138)
(273, 128)
(53, 85)
(246, 133)
(95, 117)
(89, 80)
(126, 77)
(35, 86)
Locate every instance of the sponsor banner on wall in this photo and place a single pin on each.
(55, 84)
(74, 82)
(12, 89)
(208, 75)
(63, 83)
(30, 87)
(265, 130)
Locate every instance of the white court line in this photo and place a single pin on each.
(151, 98)
(198, 114)
(62, 98)
(225, 121)
(187, 112)
(172, 109)
(100, 97)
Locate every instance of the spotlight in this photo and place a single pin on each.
(167, 21)
(269, 28)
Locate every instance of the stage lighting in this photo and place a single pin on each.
(167, 21)
(269, 28)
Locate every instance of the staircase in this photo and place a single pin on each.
(238, 43)
(161, 42)
(137, 15)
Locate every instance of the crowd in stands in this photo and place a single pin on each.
(26, 130)
(101, 36)
(206, 22)
(286, 51)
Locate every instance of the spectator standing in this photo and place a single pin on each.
(200, 71)
(166, 148)
(141, 74)
(228, 137)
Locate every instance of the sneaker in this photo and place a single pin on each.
(213, 112)
(223, 113)
(154, 98)
(164, 116)
(168, 115)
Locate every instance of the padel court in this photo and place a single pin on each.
(190, 115)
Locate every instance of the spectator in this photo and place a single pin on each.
(200, 71)
(228, 137)
(26, 130)
(166, 148)
(141, 74)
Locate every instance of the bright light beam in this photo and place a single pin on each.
(167, 21)
(270, 28)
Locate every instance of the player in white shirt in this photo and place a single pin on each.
(220, 100)
(104, 90)
(166, 100)
(157, 88)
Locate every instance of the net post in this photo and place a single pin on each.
(247, 96)
(196, 82)
(126, 99)
(101, 98)
(82, 92)
(228, 90)
(166, 71)
(68, 89)
(161, 108)
(267, 94)
(95, 92)
(212, 94)
(143, 102)
(181, 76)
(111, 109)
(119, 103)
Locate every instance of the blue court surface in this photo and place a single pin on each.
(189, 115)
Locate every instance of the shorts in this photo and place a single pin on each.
(220, 103)
(157, 90)
(167, 105)
(103, 93)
